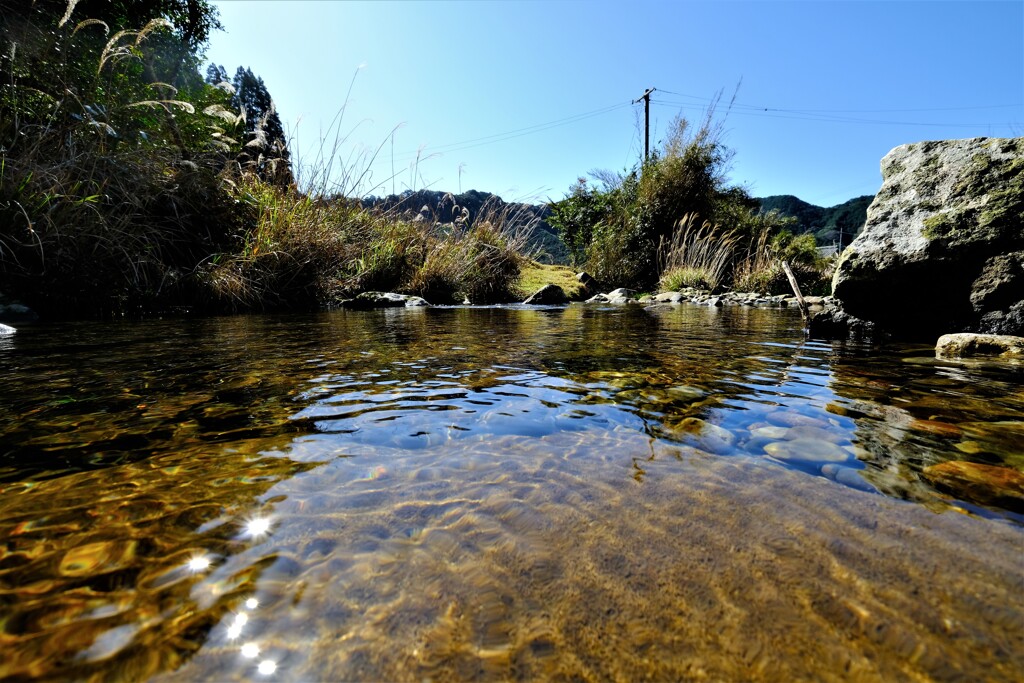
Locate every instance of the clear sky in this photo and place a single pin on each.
(521, 98)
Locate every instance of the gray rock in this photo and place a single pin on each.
(945, 233)
(807, 450)
(847, 476)
(967, 345)
(548, 294)
(669, 298)
(588, 281)
(598, 299)
(371, 300)
(6, 330)
(622, 292)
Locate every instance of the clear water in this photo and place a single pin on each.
(447, 494)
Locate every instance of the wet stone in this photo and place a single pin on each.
(979, 483)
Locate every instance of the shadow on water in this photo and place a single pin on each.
(514, 493)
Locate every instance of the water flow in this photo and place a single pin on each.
(504, 493)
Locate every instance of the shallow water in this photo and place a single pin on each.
(445, 494)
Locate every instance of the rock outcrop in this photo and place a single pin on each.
(946, 233)
(548, 294)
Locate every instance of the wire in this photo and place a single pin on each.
(511, 134)
(809, 116)
(851, 111)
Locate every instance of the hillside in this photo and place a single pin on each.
(834, 225)
(439, 207)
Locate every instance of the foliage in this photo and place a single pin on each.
(834, 225)
(576, 216)
(760, 268)
(617, 231)
(675, 220)
(695, 256)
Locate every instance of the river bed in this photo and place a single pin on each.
(565, 493)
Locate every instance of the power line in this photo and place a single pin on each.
(807, 116)
(850, 111)
(512, 134)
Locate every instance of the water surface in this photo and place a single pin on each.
(570, 493)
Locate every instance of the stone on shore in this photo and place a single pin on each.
(833, 322)
(968, 345)
(589, 282)
(616, 296)
(370, 300)
(944, 233)
(548, 294)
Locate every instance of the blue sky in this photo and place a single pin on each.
(520, 98)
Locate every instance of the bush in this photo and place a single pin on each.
(616, 232)
(481, 263)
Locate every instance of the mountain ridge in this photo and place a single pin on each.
(834, 225)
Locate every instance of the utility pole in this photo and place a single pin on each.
(646, 97)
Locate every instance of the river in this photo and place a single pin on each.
(566, 493)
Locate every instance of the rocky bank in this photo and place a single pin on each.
(946, 233)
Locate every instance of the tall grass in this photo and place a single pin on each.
(480, 262)
(695, 256)
(759, 268)
(120, 194)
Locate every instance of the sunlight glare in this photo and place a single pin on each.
(199, 563)
(267, 667)
(250, 650)
(257, 526)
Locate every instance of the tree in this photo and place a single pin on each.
(216, 75)
(265, 149)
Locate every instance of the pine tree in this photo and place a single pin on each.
(266, 149)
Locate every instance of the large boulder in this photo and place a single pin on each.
(548, 294)
(943, 246)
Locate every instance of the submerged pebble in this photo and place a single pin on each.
(806, 450)
(847, 476)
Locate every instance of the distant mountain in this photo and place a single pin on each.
(835, 225)
(439, 207)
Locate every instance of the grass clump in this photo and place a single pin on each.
(695, 256)
(534, 275)
(480, 263)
